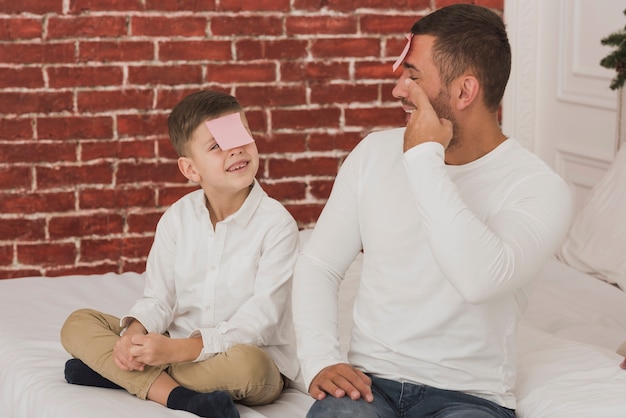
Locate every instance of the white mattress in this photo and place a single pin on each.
(568, 367)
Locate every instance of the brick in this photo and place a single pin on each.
(321, 24)
(133, 173)
(40, 102)
(342, 47)
(115, 51)
(85, 225)
(169, 195)
(16, 129)
(305, 119)
(143, 221)
(305, 214)
(64, 176)
(161, 74)
(258, 5)
(343, 93)
(177, 5)
(6, 257)
(79, 6)
(106, 75)
(141, 125)
(101, 101)
(15, 178)
(16, 28)
(31, 6)
(45, 53)
(37, 152)
(320, 189)
(41, 202)
(166, 150)
(168, 26)
(137, 148)
(493, 4)
(288, 49)
(83, 270)
(380, 117)
(349, 6)
(136, 247)
(271, 96)
(377, 70)
(72, 127)
(256, 120)
(19, 272)
(92, 198)
(285, 190)
(100, 249)
(324, 141)
(316, 166)
(22, 229)
(195, 51)
(167, 98)
(137, 266)
(29, 77)
(278, 142)
(246, 25)
(390, 24)
(314, 72)
(241, 73)
(46, 253)
(86, 27)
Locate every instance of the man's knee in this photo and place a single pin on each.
(343, 408)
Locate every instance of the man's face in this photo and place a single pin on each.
(419, 67)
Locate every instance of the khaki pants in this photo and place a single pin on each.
(246, 372)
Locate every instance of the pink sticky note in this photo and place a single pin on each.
(404, 52)
(229, 132)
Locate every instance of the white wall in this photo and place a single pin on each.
(558, 102)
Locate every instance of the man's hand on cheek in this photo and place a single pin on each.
(424, 125)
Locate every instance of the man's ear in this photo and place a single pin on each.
(468, 89)
(186, 167)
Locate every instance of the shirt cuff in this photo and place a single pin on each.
(424, 149)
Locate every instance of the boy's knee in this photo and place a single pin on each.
(252, 362)
(73, 326)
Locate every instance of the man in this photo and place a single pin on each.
(454, 220)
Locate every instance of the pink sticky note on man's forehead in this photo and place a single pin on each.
(229, 132)
(404, 52)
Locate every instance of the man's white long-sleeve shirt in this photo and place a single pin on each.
(231, 285)
(448, 253)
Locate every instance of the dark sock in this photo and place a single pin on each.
(216, 404)
(78, 373)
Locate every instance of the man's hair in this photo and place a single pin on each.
(195, 109)
(470, 38)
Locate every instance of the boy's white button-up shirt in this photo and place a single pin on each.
(230, 285)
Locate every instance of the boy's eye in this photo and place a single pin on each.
(214, 146)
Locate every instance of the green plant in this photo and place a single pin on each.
(617, 58)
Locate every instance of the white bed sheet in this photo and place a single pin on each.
(567, 340)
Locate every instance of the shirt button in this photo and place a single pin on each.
(212, 268)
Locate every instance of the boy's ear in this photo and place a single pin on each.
(186, 167)
(468, 89)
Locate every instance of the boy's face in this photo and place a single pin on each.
(217, 170)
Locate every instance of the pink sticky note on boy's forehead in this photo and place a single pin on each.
(229, 132)
(404, 52)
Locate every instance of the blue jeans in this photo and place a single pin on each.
(405, 400)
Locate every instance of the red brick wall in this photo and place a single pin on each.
(86, 168)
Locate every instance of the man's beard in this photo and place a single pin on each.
(441, 104)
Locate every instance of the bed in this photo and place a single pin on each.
(568, 365)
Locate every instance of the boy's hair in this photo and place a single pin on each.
(470, 38)
(195, 109)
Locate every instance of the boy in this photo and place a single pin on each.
(213, 324)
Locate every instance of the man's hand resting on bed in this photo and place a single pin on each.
(340, 380)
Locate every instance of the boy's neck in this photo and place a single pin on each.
(221, 205)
